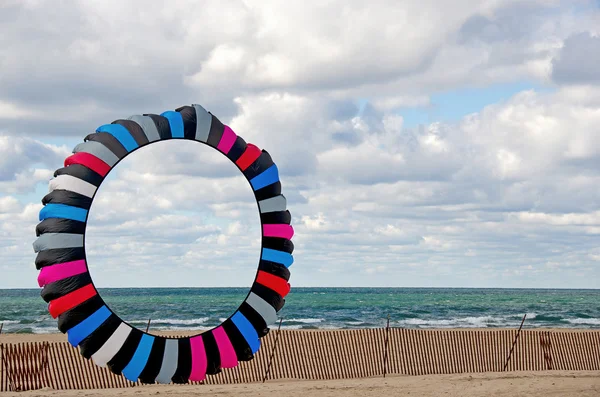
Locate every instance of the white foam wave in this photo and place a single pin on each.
(584, 321)
(299, 326)
(473, 322)
(291, 326)
(305, 320)
(8, 322)
(193, 321)
(171, 328)
(43, 330)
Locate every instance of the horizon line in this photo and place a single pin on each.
(338, 287)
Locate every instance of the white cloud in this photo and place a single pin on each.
(20, 159)
(490, 199)
(574, 63)
(396, 54)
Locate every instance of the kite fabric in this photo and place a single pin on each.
(74, 300)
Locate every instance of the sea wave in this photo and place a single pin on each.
(43, 330)
(291, 326)
(170, 328)
(304, 320)
(174, 321)
(8, 322)
(31, 330)
(459, 322)
(356, 322)
(583, 321)
(548, 318)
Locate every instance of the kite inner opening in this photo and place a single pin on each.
(173, 236)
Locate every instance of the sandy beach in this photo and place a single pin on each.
(514, 384)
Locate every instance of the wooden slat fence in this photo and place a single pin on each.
(335, 354)
(23, 366)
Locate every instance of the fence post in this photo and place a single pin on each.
(7, 370)
(387, 338)
(548, 357)
(514, 343)
(148, 326)
(273, 351)
(1, 326)
(2, 371)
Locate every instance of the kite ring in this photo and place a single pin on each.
(72, 297)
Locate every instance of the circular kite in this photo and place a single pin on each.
(70, 292)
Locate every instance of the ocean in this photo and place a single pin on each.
(24, 311)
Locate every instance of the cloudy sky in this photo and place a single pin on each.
(419, 142)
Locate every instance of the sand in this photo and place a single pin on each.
(530, 384)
